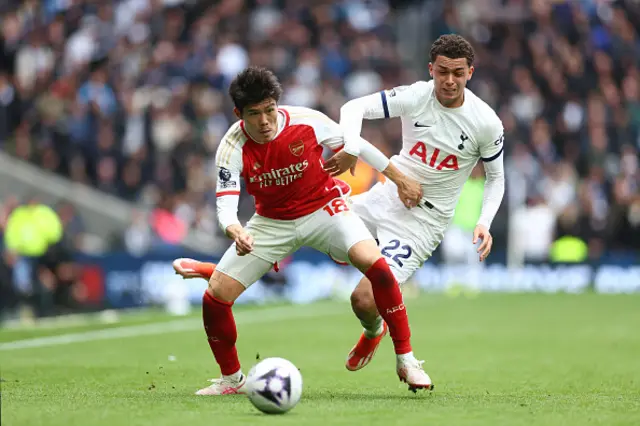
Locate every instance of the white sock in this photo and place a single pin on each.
(373, 329)
(404, 358)
(236, 377)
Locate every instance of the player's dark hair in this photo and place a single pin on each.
(252, 86)
(452, 46)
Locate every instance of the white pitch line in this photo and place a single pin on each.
(245, 317)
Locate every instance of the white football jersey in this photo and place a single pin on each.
(440, 146)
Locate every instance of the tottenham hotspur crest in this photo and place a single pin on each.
(463, 139)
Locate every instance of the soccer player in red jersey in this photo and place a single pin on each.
(446, 130)
(277, 150)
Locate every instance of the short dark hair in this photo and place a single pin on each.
(253, 85)
(452, 46)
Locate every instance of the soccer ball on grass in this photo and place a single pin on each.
(274, 385)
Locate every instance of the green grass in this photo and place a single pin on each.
(81, 322)
(495, 360)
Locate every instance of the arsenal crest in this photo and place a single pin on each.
(297, 148)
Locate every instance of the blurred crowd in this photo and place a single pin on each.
(129, 96)
(565, 81)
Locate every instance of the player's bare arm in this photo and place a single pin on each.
(340, 162)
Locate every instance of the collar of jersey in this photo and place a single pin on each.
(283, 122)
(457, 109)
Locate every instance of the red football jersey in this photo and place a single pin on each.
(285, 176)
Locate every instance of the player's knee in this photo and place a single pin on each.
(224, 288)
(364, 254)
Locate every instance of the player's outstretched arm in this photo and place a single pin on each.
(348, 156)
(331, 135)
(396, 102)
(353, 112)
(409, 190)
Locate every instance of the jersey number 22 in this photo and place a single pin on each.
(403, 252)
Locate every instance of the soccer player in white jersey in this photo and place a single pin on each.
(446, 130)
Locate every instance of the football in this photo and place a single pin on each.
(274, 385)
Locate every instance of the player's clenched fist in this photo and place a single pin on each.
(482, 233)
(243, 240)
(410, 192)
(244, 243)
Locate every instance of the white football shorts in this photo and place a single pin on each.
(407, 237)
(333, 230)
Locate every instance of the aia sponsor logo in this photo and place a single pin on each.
(297, 148)
(435, 159)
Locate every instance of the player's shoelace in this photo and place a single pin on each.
(416, 365)
(224, 381)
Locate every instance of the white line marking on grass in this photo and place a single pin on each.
(242, 317)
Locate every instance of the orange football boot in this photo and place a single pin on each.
(191, 268)
(362, 353)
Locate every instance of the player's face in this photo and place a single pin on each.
(261, 120)
(450, 77)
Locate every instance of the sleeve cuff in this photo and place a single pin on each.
(374, 157)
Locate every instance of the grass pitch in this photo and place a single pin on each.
(495, 360)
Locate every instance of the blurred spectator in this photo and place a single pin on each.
(73, 236)
(167, 225)
(138, 236)
(36, 263)
(9, 297)
(31, 229)
(56, 290)
(534, 225)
